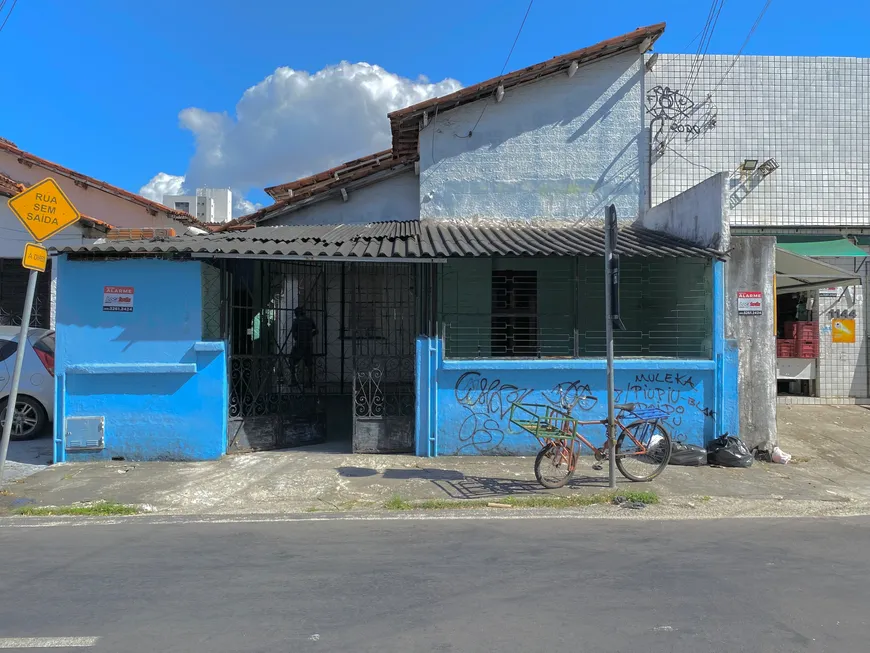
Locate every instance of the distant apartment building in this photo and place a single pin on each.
(207, 204)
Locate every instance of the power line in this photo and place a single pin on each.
(701, 42)
(11, 9)
(743, 47)
(517, 37)
(706, 35)
(727, 72)
(506, 61)
(706, 47)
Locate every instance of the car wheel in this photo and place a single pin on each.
(29, 421)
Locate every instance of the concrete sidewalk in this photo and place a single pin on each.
(830, 474)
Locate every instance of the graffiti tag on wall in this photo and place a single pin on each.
(673, 115)
(486, 404)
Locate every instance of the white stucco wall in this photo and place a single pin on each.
(98, 204)
(809, 113)
(395, 198)
(561, 148)
(699, 214)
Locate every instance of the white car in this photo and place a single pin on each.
(34, 409)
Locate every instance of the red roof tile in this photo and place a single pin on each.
(305, 186)
(405, 123)
(32, 159)
(10, 188)
(351, 173)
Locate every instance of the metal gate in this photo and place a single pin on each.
(383, 318)
(346, 370)
(279, 394)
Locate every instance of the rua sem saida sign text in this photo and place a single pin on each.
(44, 209)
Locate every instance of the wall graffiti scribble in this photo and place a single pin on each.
(673, 114)
(486, 403)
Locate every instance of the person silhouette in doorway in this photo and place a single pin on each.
(303, 331)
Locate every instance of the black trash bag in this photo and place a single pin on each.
(689, 455)
(728, 451)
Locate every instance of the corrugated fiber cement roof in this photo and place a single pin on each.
(409, 240)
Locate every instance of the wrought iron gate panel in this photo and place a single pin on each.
(383, 325)
(278, 388)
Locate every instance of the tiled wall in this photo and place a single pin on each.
(810, 113)
(843, 366)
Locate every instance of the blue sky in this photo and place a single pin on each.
(98, 85)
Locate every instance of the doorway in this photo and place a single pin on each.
(797, 345)
(319, 352)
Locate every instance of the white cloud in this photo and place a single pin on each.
(293, 124)
(162, 184)
(241, 206)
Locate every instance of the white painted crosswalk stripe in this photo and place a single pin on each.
(47, 642)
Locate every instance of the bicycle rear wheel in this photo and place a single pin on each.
(554, 464)
(645, 459)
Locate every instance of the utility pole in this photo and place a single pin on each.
(611, 302)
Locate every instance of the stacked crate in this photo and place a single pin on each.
(805, 336)
(785, 348)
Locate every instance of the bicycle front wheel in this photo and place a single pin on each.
(554, 464)
(644, 454)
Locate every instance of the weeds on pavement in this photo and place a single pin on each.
(534, 501)
(99, 509)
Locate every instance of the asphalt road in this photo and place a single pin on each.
(443, 585)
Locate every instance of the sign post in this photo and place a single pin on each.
(44, 210)
(613, 320)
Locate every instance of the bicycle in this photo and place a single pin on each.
(643, 446)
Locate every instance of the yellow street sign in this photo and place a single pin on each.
(43, 209)
(34, 257)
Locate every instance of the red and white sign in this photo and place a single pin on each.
(118, 298)
(749, 302)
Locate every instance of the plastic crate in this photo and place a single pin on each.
(785, 348)
(802, 330)
(807, 349)
(807, 331)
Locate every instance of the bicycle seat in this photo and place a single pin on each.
(628, 407)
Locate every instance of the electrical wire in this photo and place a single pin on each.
(706, 48)
(697, 57)
(705, 35)
(688, 160)
(11, 9)
(727, 72)
(503, 68)
(743, 47)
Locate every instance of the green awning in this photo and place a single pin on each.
(819, 246)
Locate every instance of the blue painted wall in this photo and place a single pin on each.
(463, 405)
(474, 399)
(162, 391)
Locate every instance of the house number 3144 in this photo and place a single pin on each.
(844, 314)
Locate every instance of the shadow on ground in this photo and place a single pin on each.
(457, 485)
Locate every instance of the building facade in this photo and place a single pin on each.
(103, 206)
(211, 205)
(405, 301)
(791, 133)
